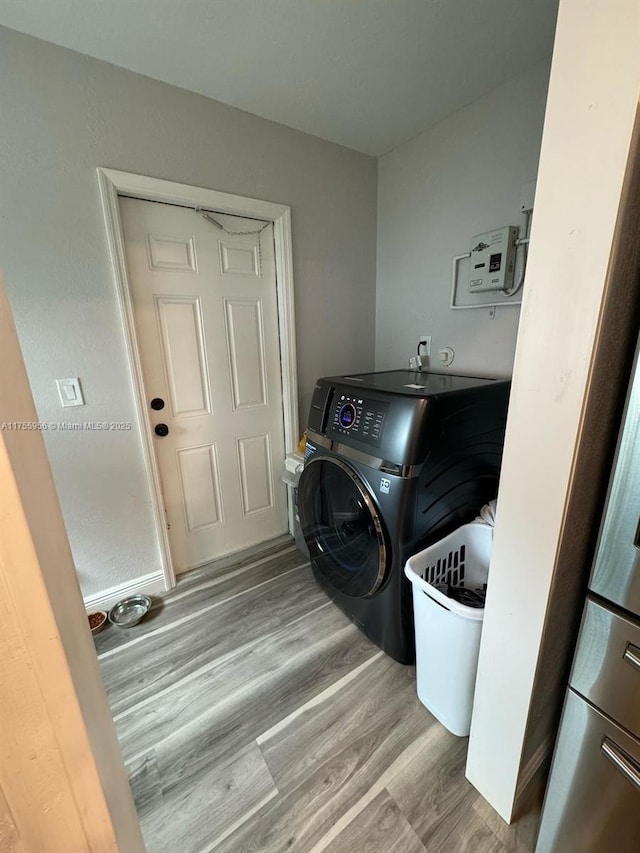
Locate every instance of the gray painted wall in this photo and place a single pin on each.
(64, 114)
(461, 178)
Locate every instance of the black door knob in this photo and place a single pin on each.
(161, 430)
(157, 403)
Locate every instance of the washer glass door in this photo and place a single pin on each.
(342, 527)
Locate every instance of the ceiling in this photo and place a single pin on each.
(368, 74)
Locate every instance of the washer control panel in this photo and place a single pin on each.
(359, 418)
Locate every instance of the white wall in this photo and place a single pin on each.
(63, 115)
(458, 179)
(593, 96)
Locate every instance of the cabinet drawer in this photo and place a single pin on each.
(592, 804)
(606, 668)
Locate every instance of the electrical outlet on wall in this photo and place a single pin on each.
(446, 356)
(425, 344)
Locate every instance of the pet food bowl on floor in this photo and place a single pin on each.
(97, 621)
(130, 611)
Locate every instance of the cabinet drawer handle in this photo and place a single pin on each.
(632, 655)
(622, 762)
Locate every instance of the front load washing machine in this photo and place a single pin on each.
(394, 461)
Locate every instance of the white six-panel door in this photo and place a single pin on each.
(206, 321)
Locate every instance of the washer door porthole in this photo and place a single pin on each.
(342, 527)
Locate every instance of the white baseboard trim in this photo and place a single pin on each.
(147, 584)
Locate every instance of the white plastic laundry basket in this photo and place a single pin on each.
(447, 632)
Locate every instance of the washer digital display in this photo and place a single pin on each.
(347, 415)
(360, 418)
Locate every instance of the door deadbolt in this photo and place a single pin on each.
(157, 403)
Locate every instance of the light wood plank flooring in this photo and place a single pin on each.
(253, 716)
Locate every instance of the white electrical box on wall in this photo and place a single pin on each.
(492, 260)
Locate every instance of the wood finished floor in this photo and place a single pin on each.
(253, 716)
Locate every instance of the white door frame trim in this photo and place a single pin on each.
(114, 183)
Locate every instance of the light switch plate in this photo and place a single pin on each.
(70, 392)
